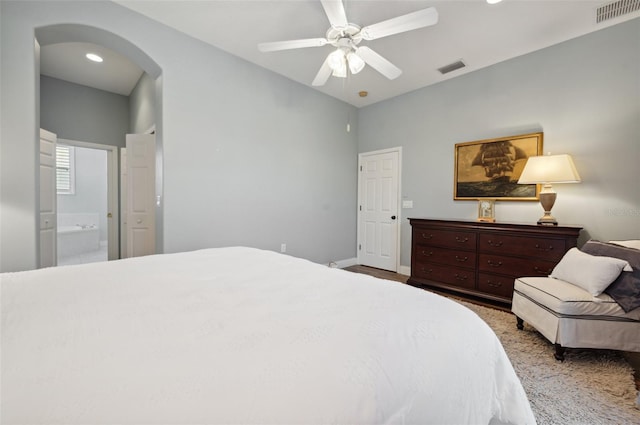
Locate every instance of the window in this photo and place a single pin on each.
(65, 170)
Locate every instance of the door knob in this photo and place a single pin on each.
(393, 217)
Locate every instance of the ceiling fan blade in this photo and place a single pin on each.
(335, 12)
(323, 74)
(421, 18)
(291, 44)
(379, 63)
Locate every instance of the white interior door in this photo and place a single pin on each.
(378, 221)
(140, 169)
(48, 225)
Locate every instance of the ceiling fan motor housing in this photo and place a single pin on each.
(348, 36)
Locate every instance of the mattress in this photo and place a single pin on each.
(240, 335)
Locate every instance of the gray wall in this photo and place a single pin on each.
(249, 157)
(142, 101)
(77, 112)
(583, 94)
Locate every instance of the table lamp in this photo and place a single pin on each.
(546, 170)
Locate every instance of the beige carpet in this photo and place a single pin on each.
(589, 387)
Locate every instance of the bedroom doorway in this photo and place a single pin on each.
(378, 212)
(87, 202)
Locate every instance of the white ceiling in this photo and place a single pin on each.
(67, 61)
(473, 31)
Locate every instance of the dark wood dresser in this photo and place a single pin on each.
(481, 259)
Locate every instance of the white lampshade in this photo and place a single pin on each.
(549, 169)
(336, 59)
(356, 63)
(341, 71)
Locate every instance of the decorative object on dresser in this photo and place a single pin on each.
(545, 170)
(490, 169)
(486, 210)
(482, 260)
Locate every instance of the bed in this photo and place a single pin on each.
(244, 336)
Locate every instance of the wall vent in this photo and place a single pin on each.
(453, 66)
(615, 9)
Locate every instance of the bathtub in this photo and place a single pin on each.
(77, 239)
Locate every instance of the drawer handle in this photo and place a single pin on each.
(494, 284)
(496, 244)
(461, 240)
(427, 254)
(542, 272)
(458, 277)
(541, 248)
(492, 264)
(425, 236)
(461, 260)
(427, 270)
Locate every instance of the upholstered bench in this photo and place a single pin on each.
(569, 316)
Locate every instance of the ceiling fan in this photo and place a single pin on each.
(346, 37)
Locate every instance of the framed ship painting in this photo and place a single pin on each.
(490, 169)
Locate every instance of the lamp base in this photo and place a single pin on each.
(547, 199)
(547, 220)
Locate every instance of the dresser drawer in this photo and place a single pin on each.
(514, 266)
(451, 257)
(549, 249)
(445, 238)
(457, 277)
(501, 286)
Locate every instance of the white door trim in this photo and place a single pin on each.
(398, 222)
(113, 234)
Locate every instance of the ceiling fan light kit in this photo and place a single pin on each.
(345, 37)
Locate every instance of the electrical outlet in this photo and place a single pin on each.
(283, 247)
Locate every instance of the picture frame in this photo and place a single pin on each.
(490, 169)
(486, 210)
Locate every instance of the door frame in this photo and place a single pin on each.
(113, 232)
(398, 222)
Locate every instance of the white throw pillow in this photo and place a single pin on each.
(590, 272)
(632, 243)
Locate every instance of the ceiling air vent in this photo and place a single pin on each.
(615, 9)
(453, 66)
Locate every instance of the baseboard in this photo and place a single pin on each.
(341, 264)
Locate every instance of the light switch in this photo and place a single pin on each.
(407, 204)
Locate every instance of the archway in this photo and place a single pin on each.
(75, 33)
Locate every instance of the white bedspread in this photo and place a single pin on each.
(244, 336)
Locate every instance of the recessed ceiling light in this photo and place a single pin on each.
(493, 1)
(94, 57)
